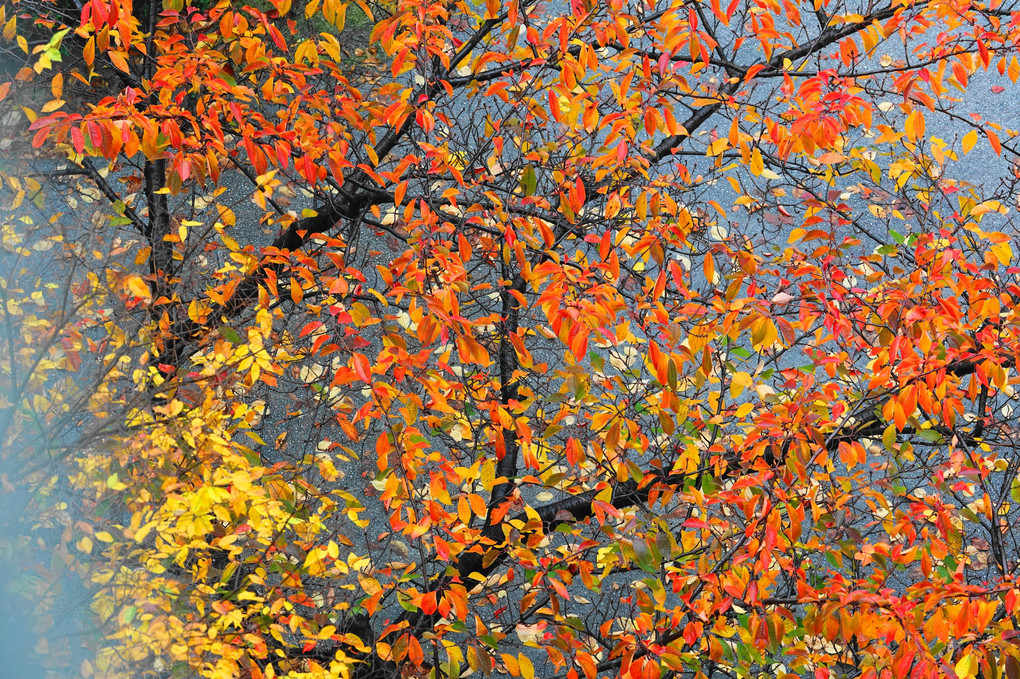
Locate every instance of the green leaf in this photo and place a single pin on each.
(529, 181)
(889, 437)
(231, 335)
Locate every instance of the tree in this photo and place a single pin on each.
(624, 338)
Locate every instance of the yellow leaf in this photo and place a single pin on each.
(527, 669)
(1002, 252)
(138, 287)
(143, 531)
(717, 147)
(487, 475)
(966, 667)
(738, 383)
(969, 140)
(763, 334)
(757, 164)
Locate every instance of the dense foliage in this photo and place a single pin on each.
(639, 338)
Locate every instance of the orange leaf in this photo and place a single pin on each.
(993, 139)
(362, 368)
(915, 126)
(119, 61)
(89, 52)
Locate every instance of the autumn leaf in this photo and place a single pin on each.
(602, 340)
(138, 287)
